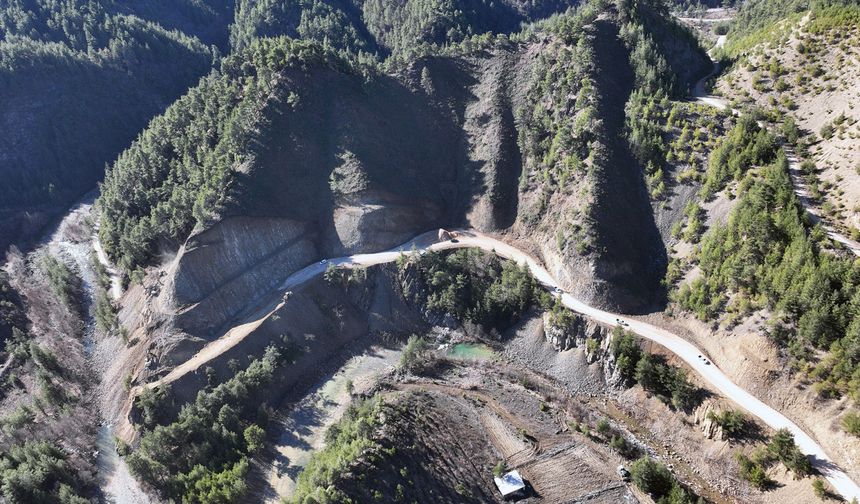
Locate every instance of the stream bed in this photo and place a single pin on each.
(302, 431)
(74, 242)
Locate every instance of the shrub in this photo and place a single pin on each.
(625, 349)
(106, 314)
(603, 427)
(150, 402)
(695, 225)
(61, 279)
(745, 146)
(413, 352)
(780, 85)
(50, 391)
(45, 359)
(753, 472)
(204, 451)
(38, 472)
(790, 131)
(21, 416)
(819, 488)
(783, 448)
(345, 441)
(650, 371)
(499, 469)
(651, 477)
(625, 449)
(344, 277)
(733, 423)
(255, 437)
(851, 423)
(476, 286)
(666, 381)
(205, 485)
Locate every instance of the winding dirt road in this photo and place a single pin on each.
(700, 95)
(838, 479)
(711, 374)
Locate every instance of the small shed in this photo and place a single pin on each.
(511, 484)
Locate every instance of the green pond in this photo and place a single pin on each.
(472, 351)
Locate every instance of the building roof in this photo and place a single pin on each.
(510, 483)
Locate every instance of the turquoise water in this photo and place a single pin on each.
(472, 351)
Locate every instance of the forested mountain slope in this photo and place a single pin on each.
(393, 154)
(297, 131)
(121, 63)
(207, 20)
(804, 71)
(758, 14)
(294, 151)
(354, 127)
(384, 27)
(768, 283)
(78, 80)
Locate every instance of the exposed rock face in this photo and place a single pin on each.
(366, 164)
(573, 334)
(374, 222)
(710, 428)
(315, 322)
(219, 272)
(632, 259)
(610, 370)
(492, 135)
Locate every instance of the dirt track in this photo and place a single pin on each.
(685, 350)
(701, 96)
(529, 431)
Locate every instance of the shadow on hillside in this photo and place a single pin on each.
(633, 259)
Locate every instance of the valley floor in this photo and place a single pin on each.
(301, 430)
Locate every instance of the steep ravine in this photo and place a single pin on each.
(71, 242)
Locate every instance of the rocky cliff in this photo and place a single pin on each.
(223, 270)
